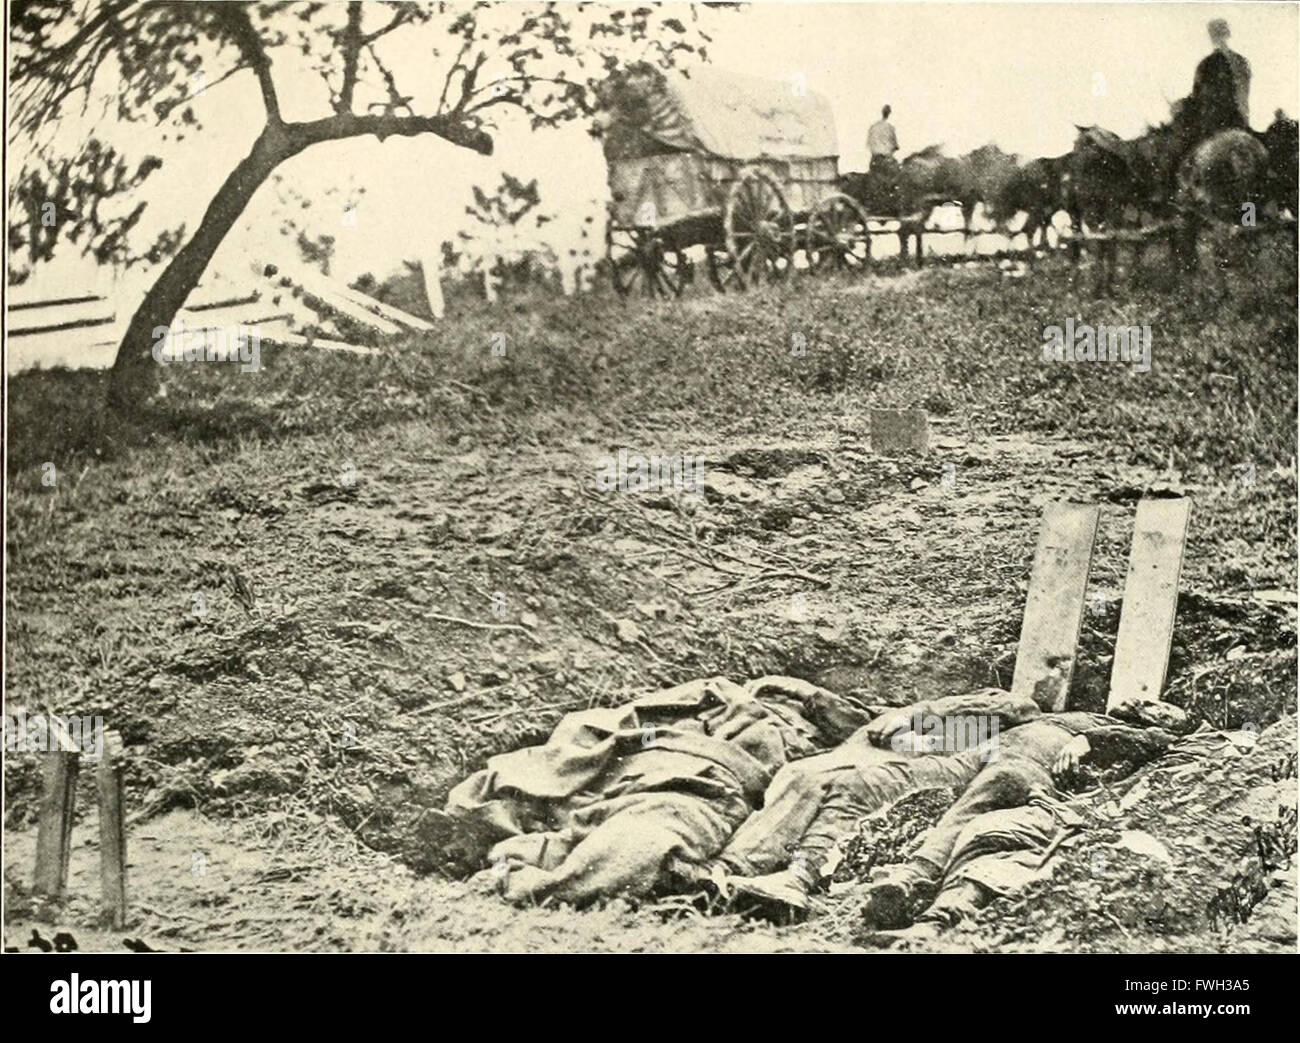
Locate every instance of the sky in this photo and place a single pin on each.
(964, 74)
(1020, 75)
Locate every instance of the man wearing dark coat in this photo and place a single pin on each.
(1221, 89)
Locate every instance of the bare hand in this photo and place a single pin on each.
(1068, 760)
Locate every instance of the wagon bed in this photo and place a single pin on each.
(744, 168)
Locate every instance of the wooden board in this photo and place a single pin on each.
(318, 288)
(91, 348)
(297, 340)
(404, 318)
(112, 834)
(1146, 618)
(899, 431)
(52, 317)
(17, 300)
(1049, 635)
(54, 832)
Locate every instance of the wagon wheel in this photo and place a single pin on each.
(759, 230)
(837, 236)
(640, 262)
(722, 272)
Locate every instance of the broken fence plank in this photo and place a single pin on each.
(388, 311)
(1146, 620)
(1049, 634)
(226, 299)
(319, 289)
(56, 317)
(342, 290)
(13, 302)
(297, 340)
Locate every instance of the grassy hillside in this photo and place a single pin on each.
(368, 505)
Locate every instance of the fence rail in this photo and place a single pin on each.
(290, 306)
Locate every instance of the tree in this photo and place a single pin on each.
(543, 60)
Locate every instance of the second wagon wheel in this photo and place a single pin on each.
(759, 229)
(639, 262)
(838, 237)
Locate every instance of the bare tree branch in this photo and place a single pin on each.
(459, 63)
(352, 41)
(397, 21)
(236, 20)
(347, 125)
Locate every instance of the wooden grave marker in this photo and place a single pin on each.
(1054, 606)
(1146, 619)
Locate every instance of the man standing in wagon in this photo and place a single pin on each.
(882, 143)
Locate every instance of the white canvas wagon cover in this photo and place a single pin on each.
(718, 113)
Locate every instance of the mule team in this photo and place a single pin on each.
(1203, 161)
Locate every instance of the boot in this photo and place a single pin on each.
(894, 901)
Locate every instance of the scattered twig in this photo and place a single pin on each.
(485, 626)
(1062, 835)
(751, 581)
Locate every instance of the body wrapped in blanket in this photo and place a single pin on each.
(751, 787)
(617, 796)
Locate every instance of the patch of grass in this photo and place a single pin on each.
(1221, 388)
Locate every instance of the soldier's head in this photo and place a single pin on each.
(886, 111)
(1219, 32)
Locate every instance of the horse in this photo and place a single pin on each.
(1216, 181)
(984, 174)
(1281, 140)
(1115, 185)
(906, 192)
(1037, 189)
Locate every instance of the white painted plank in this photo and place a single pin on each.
(1146, 620)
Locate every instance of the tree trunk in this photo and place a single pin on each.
(135, 376)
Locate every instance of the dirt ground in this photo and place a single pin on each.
(405, 566)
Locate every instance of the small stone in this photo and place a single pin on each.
(834, 496)
(653, 610)
(529, 620)
(456, 681)
(627, 631)
(918, 484)
(1141, 842)
(547, 661)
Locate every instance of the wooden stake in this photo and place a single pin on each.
(54, 834)
(112, 834)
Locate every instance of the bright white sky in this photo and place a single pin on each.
(1018, 74)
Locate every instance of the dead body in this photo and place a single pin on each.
(616, 797)
(747, 786)
(1008, 811)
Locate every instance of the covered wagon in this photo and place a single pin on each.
(742, 168)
